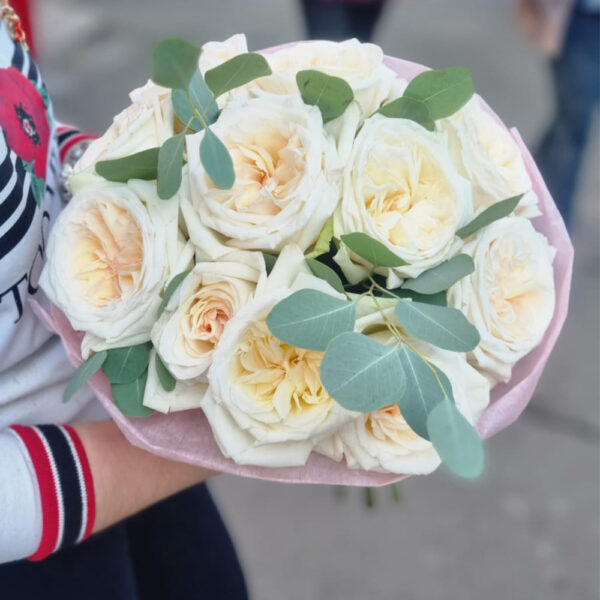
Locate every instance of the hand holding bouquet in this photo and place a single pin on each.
(325, 258)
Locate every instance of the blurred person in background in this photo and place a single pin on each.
(568, 32)
(66, 470)
(339, 20)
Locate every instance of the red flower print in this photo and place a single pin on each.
(23, 119)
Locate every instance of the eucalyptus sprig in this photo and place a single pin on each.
(194, 100)
(432, 95)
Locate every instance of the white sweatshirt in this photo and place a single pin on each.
(33, 366)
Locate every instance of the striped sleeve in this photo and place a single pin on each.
(65, 484)
(69, 137)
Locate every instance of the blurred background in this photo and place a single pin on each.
(529, 528)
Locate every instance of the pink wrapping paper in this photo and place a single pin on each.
(187, 437)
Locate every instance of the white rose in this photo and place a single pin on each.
(510, 296)
(192, 323)
(401, 188)
(360, 65)
(145, 124)
(382, 440)
(215, 53)
(187, 394)
(284, 190)
(107, 262)
(487, 154)
(266, 404)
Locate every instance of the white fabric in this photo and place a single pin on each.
(20, 508)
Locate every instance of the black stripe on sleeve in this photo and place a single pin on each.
(69, 483)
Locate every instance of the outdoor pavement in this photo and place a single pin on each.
(529, 528)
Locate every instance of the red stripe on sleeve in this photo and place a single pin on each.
(64, 149)
(88, 481)
(48, 490)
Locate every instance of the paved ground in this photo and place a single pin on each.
(529, 530)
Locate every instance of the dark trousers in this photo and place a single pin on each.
(177, 549)
(576, 75)
(340, 20)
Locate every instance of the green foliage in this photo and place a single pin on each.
(141, 165)
(129, 397)
(408, 108)
(167, 381)
(455, 440)
(174, 63)
(124, 365)
(362, 374)
(85, 370)
(270, 260)
(489, 215)
(441, 326)
(440, 278)
(443, 91)
(173, 285)
(326, 273)
(438, 299)
(331, 95)
(236, 72)
(170, 161)
(216, 160)
(324, 240)
(310, 319)
(425, 389)
(371, 250)
(199, 98)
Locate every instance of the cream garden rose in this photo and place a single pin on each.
(266, 404)
(189, 329)
(287, 180)
(487, 154)
(107, 262)
(401, 188)
(147, 123)
(382, 440)
(510, 297)
(360, 65)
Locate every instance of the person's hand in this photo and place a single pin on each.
(127, 479)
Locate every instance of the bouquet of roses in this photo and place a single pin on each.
(324, 256)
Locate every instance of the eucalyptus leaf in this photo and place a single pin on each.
(83, 372)
(174, 63)
(444, 91)
(173, 285)
(198, 97)
(167, 381)
(408, 108)
(371, 250)
(499, 210)
(331, 95)
(438, 299)
(216, 160)
(440, 278)
(441, 326)
(324, 240)
(170, 163)
(362, 374)
(455, 440)
(326, 273)
(236, 72)
(123, 365)
(310, 319)
(423, 390)
(129, 397)
(141, 165)
(270, 260)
